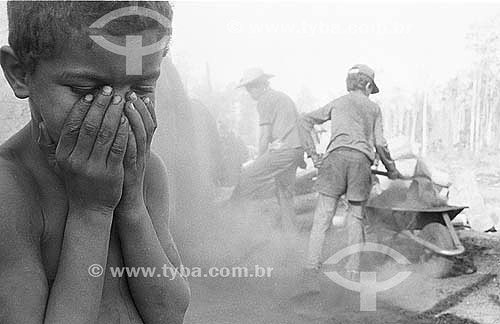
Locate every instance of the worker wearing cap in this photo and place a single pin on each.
(356, 135)
(280, 148)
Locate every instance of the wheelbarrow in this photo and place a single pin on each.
(430, 228)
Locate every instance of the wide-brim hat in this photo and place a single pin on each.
(367, 71)
(253, 75)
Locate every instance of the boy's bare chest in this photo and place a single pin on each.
(117, 305)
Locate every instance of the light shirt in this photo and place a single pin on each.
(279, 111)
(356, 123)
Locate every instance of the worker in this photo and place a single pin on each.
(280, 150)
(356, 136)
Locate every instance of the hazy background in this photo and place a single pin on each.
(437, 66)
(415, 49)
(312, 45)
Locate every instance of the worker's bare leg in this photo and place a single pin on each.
(355, 233)
(323, 214)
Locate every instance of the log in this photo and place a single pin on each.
(488, 240)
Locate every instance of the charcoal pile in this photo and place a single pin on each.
(421, 194)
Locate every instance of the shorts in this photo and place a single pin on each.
(345, 171)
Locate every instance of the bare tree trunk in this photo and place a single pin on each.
(413, 131)
(449, 110)
(457, 123)
(401, 128)
(495, 120)
(407, 130)
(489, 116)
(473, 113)
(424, 126)
(459, 126)
(209, 78)
(477, 123)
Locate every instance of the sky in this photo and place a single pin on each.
(313, 44)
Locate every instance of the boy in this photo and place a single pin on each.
(80, 189)
(356, 124)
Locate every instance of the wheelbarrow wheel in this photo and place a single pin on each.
(436, 265)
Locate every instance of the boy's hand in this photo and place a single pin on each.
(141, 116)
(394, 174)
(91, 149)
(317, 160)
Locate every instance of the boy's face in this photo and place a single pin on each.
(56, 84)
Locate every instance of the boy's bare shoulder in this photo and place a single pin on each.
(18, 197)
(13, 174)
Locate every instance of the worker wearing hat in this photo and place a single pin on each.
(280, 148)
(356, 136)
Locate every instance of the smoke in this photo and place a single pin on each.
(242, 235)
(206, 235)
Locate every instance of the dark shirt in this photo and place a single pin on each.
(356, 122)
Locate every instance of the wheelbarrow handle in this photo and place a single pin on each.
(386, 174)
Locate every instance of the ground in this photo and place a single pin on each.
(242, 237)
(238, 240)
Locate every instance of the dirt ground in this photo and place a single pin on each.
(242, 237)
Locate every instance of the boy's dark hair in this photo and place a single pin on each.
(38, 29)
(357, 81)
